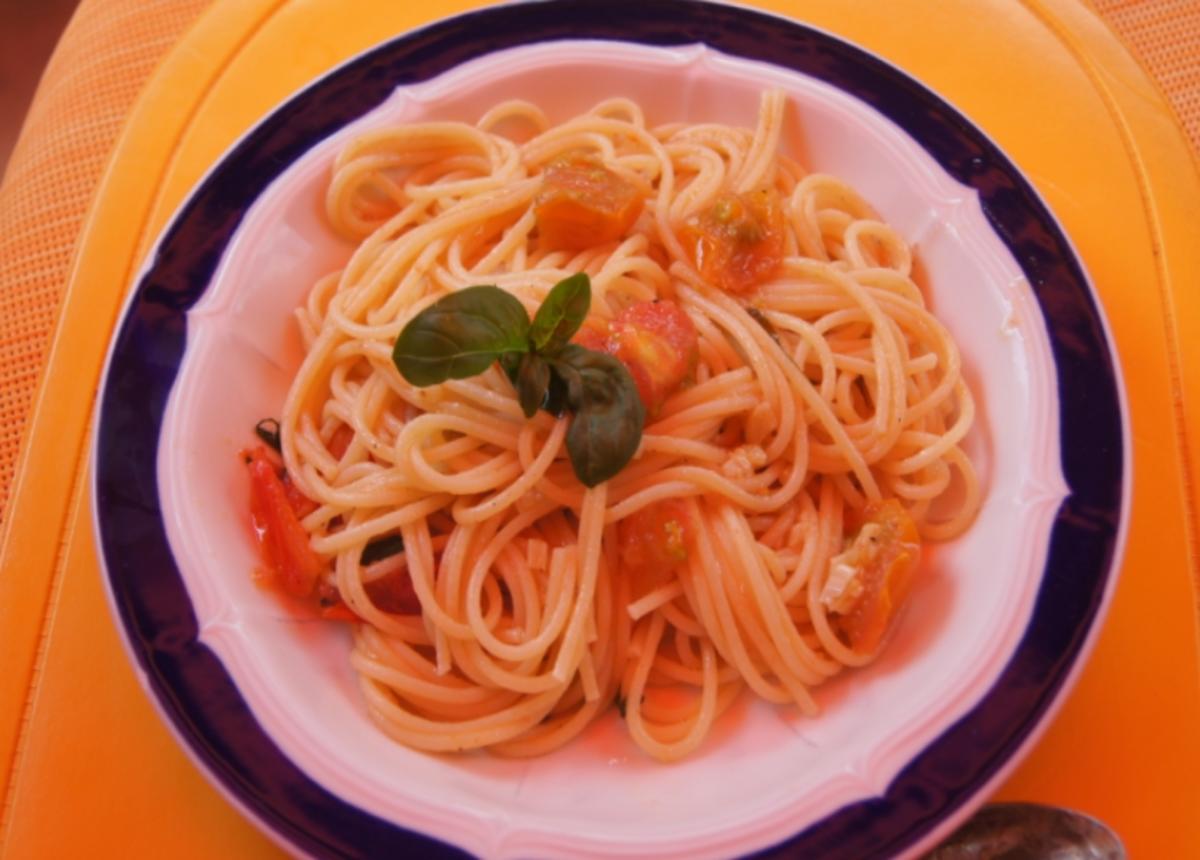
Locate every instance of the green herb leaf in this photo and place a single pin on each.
(460, 335)
(556, 395)
(563, 311)
(268, 431)
(381, 547)
(533, 382)
(510, 363)
(568, 373)
(609, 416)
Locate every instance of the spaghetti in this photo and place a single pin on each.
(764, 533)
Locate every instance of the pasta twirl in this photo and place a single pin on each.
(764, 534)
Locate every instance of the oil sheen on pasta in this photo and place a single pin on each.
(766, 532)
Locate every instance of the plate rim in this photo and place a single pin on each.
(447, 29)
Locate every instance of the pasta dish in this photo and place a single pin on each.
(599, 414)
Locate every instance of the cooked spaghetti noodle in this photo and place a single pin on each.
(827, 387)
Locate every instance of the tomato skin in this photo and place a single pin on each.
(656, 539)
(737, 242)
(582, 203)
(886, 578)
(593, 334)
(276, 508)
(392, 593)
(657, 343)
(300, 504)
(283, 541)
(338, 611)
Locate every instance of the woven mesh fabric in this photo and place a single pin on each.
(1165, 37)
(109, 50)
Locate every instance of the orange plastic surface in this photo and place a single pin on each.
(86, 765)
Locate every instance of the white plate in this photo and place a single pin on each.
(965, 682)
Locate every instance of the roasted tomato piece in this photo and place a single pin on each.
(870, 581)
(339, 612)
(737, 242)
(582, 203)
(283, 541)
(655, 540)
(301, 504)
(331, 606)
(593, 334)
(394, 593)
(657, 342)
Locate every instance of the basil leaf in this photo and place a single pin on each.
(463, 333)
(460, 335)
(556, 395)
(567, 365)
(609, 416)
(380, 548)
(510, 363)
(562, 312)
(533, 381)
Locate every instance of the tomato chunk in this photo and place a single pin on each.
(330, 603)
(582, 203)
(870, 581)
(737, 243)
(394, 593)
(335, 610)
(657, 343)
(300, 504)
(593, 334)
(655, 540)
(283, 541)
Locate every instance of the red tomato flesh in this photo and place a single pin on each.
(655, 540)
(657, 343)
(300, 504)
(338, 611)
(582, 203)
(283, 541)
(737, 243)
(593, 334)
(392, 593)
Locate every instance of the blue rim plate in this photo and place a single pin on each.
(197, 696)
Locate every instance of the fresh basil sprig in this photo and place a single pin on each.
(561, 314)
(532, 382)
(608, 411)
(462, 334)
